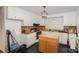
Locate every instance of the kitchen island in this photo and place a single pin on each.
(48, 44)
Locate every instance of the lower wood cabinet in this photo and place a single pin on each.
(48, 45)
(42, 45)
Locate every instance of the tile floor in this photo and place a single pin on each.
(34, 49)
(63, 49)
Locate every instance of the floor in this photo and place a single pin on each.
(63, 49)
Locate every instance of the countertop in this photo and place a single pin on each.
(51, 36)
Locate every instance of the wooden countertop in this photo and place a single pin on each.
(50, 36)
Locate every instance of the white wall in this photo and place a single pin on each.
(2, 29)
(69, 18)
(18, 13)
(78, 22)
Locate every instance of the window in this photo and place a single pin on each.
(55, 23)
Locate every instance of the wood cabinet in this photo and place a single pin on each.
(48, 44)
(52, 45)
(42, 45)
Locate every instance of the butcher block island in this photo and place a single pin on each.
(48, 44)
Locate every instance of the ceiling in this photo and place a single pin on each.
(49, 9)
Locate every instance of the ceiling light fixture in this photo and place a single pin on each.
(44, 13)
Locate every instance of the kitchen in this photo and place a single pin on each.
(28, 27)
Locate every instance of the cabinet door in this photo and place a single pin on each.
(63, 38)
(52, 46)
(42, 45)
(14, 13)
